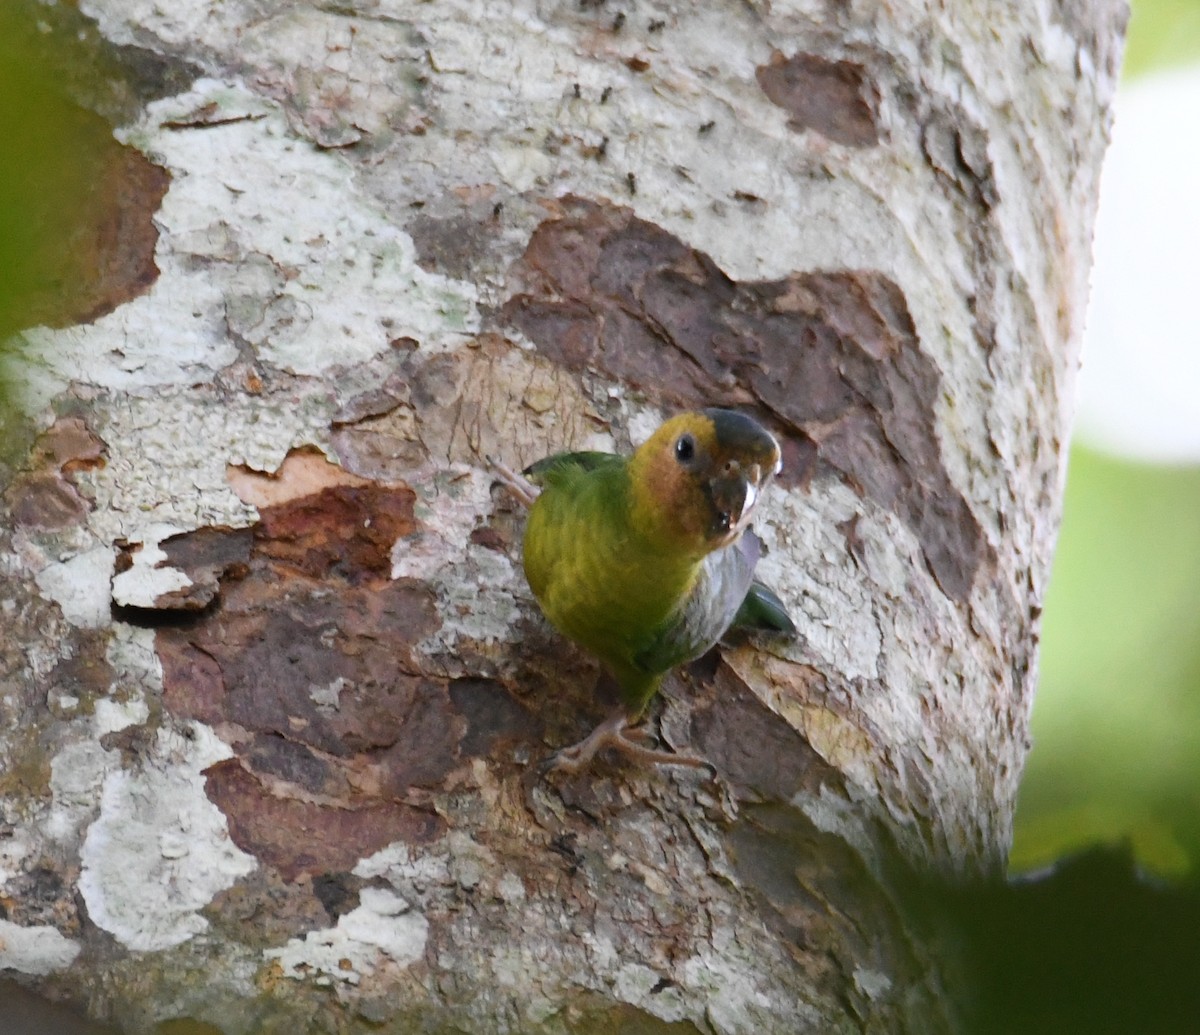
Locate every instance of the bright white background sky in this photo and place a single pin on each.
(1140, 392)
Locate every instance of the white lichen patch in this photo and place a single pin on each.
(459, 860)
(352, 90)
(296, 263)
(404, 869)
(480, 606)
(449, 510)
(35, 950)
(77, 775)
(382, 927)
(589, 93)
(511, 888)
(328, 696)
(735, 997)
(137, 670)
(111, 715)
(841, 816)
(206, 25)
(78, 770)
(872, 983)
(138, 494)
(636, 984)
(470, 863)
(295, 205)
(14, 850)
(80, 587)
(160, 850)
(476, 585)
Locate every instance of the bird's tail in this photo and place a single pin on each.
(762, 609)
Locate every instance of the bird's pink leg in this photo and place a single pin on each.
(519, 487)
(615, 732)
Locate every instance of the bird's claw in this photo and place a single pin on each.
(615, 732)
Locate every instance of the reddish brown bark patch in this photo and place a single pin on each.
(347, 531)
(307, 659)
(70, 445)
(493, 717)
(45, 500)
(263, 910)
(323, 664)
(45, 496)
(298, 837)
(217, 549)
(836, 98)
(118, 254)
(286, 761)
(829, 360)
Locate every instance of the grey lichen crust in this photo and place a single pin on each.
(281, 694)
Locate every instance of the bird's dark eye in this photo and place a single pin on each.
(685, 448)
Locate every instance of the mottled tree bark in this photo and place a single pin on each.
(275, 692)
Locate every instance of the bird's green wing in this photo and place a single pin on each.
(550, 468)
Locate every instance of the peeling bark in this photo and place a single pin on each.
(835, 98)
(274, 692)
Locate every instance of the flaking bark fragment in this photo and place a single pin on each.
(751, 747)
(296, 837)
(838, 99)
(198, 559)
(45, 495)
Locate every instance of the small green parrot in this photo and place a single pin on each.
(646, 561)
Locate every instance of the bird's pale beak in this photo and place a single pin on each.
(735, 494)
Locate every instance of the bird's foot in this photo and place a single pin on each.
(615, 732)
(519, 487)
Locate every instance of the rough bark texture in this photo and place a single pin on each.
(274, 690)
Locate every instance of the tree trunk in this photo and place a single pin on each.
(276, 692)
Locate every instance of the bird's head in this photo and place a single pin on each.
(698, 478)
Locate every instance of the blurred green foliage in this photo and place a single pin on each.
(40, 180)
(62, 88)
(1162, 33)
(1093, 948)
(43, 184)
(1116, 722)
